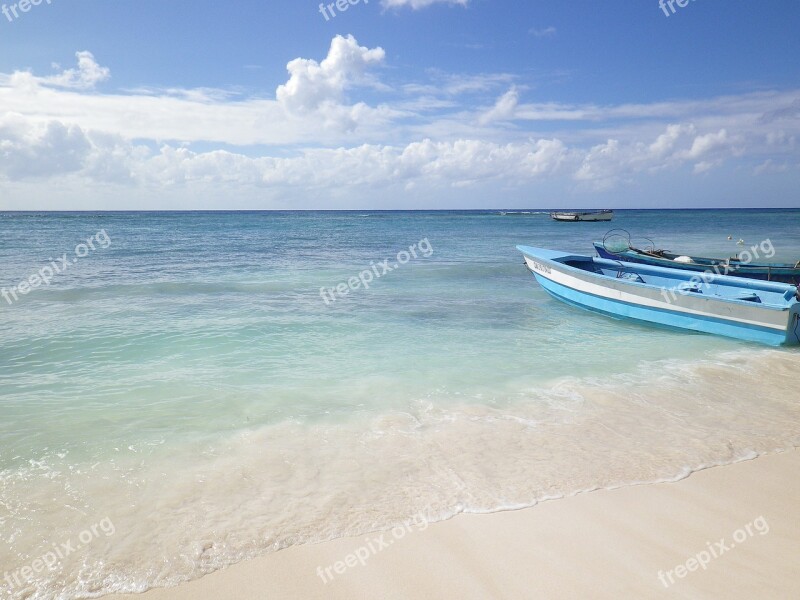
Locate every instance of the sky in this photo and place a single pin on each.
(398, 104)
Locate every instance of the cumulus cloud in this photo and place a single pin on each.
(53, 150)
(312, 84)
(309, 108)
(32, 150)
(445, 164)
(665, 143)
(86, 76)
(28, 150)
(605, 165)
(316, 133)
(703, 144)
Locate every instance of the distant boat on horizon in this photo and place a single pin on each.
(587, 215)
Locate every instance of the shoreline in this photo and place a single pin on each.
(726, 531)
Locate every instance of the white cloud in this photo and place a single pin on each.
(455, 84)
(666, 142)
(543, 32)
(86, 76)
(418, 4)
(30, 150)
(603, 164)
(705, 165)
(308, 108)
(770, 166)
(318, 134)
(606, 165)
(504, 108)
(792, 111)
(703, 144)
(312, 84)
(33, 151)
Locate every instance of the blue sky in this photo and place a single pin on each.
(398, 104)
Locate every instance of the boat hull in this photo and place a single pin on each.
(658, 306)
(761, 272)
(589, 217)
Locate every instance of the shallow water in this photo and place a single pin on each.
(189, 385)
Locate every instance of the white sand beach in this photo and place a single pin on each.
(726, 532)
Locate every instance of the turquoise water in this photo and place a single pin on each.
(189, 383)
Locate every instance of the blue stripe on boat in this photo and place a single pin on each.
(619, 309)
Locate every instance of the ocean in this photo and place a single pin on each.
(189, 390)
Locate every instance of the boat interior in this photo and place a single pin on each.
(686, 282)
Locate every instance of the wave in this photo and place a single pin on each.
(182, 509)
(522, 212)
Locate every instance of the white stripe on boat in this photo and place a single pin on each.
(603, 291)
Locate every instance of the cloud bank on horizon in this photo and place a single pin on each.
(352, 129)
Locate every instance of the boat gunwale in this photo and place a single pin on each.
(714, 261)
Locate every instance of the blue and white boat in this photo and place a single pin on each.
(758, 311)
(782, 272)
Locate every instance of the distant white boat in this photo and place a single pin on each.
(589, 215)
